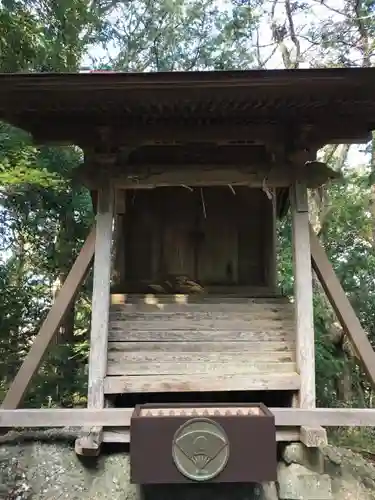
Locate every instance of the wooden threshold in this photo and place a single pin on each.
(120, 417)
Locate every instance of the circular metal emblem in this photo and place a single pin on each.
(200, 449)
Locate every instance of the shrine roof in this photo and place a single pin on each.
(339, 103)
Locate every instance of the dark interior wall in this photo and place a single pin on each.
(213, 235)
(276, 399)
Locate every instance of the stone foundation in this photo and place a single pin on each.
(44, 466)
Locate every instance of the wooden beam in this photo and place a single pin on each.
(303, 296)
(326, 417)
(342, 306)
(139, 135)
(120, 417)
(136, 135)
(255, 175)
(100, 312)
(50, 325)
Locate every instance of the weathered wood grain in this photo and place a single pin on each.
(209, 344)
(90, 442)
(124, 358)
(184, 325)
(154, 304)
(120, 417)
(100, 298)
(229, 367)
(198, 335)
(201, 347)
(198, 313)
(303, 293)
(202, 382)
(215, 175)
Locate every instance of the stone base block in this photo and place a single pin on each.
(296, 482)
(311, 458)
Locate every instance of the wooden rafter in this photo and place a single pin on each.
(342, 306)
(50, 325)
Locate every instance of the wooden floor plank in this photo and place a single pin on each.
(221, 311)
(227, 357)
(232, 366)
(199, 335)
(207, 323)
(202, 347)
(201, 382)
(186, 323)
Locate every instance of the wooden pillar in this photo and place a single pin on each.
(303, 295)
(90, 444)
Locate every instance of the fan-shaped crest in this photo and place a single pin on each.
(200, 460)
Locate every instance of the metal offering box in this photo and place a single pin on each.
(183, 443)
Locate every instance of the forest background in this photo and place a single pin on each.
(45, 216)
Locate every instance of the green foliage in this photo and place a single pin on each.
(176, 35)
(19, 37)
(21, 164)
(45, 36)
(44, 220)
(44, 215)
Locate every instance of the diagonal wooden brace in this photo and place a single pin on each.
(50, 325)
(342, 306)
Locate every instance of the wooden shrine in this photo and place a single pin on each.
(189, 173)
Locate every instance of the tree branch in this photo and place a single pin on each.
(292, 33)
(363, 33)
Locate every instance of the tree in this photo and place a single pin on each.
(45, 215)
(178, 35)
